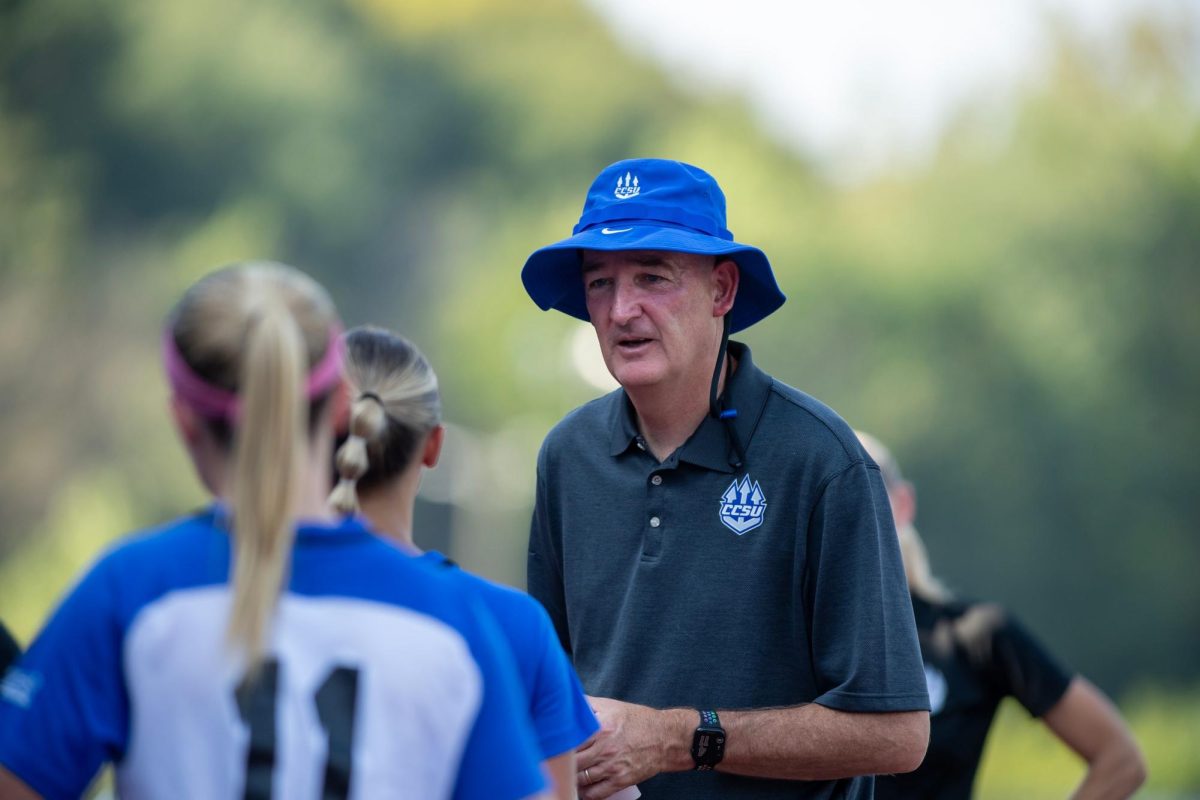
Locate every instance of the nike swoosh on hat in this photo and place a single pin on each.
(610, 231)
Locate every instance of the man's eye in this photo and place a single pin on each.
(598, 283)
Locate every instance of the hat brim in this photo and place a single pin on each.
(552, 274)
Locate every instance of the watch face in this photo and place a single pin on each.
(708, 746)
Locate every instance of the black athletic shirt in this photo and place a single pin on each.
(975, 655)
(9, 649)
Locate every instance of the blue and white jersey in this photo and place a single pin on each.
(562, 718)
(384, 679)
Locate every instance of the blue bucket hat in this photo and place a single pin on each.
(651, 204)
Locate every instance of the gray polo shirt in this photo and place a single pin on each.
(692, 583)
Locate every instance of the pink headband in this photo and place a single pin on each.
(214, 402)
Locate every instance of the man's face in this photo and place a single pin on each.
(657, 313)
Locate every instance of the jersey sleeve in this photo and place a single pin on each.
(64, 705)
(562, 717)
(544, 567)
(864, 640)
(501, 759)
(1025, 669)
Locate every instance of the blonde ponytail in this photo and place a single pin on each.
(269, 454)
(254, 350)
(368, 421)
(921, 580)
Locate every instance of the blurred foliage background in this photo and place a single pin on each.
(1018, 316)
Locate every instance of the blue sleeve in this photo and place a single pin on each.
(864, 640)
(562, 717)
(64, 709)
(501, 760)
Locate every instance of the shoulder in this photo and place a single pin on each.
(585, 429)
(147, 564)
(518, 614)
(827, 440)
(589, 421)
(433, 587)
(176, 539)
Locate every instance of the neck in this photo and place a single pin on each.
(312, 499)
(389, 508)
(667, 416)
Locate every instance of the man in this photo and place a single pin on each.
(714, 547)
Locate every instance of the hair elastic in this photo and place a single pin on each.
(215, 402)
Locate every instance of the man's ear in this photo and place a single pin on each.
(433, 447)
(725, 285)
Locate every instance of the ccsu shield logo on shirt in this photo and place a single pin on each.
(743, 505)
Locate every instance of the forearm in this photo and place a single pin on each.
(561, 771)
(809, 742)
(1114, 778)
(13, 788)
(813, 742)
(1091, 726)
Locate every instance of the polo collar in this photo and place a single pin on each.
(709, 446)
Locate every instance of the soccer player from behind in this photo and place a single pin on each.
(263, 647)
(396, 433)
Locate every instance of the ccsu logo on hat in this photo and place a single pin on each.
(628, 189)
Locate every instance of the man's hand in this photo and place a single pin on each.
(634, 743)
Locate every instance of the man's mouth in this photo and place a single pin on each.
(631, 343)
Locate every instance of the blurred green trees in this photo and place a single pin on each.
(1018, 318)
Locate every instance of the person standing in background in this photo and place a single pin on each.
(975, 655)
(713, 546)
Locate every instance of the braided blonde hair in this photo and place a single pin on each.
(396, 404)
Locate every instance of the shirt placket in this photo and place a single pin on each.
(655, 519)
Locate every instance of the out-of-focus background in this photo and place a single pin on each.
(986, 217)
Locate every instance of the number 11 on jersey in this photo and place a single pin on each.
(335, 701)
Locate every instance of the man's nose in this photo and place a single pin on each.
(627, 302)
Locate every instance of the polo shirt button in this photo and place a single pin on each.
(655, 522)
(656, 480)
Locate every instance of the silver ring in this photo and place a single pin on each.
(587, 777)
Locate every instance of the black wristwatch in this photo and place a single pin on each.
(708, 742)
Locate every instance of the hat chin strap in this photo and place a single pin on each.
(715, 403)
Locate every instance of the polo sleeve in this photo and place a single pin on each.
(501, 760)
(544, 577)
(1025, 669)
(865, 654)
(64, 709)
(562, 717)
